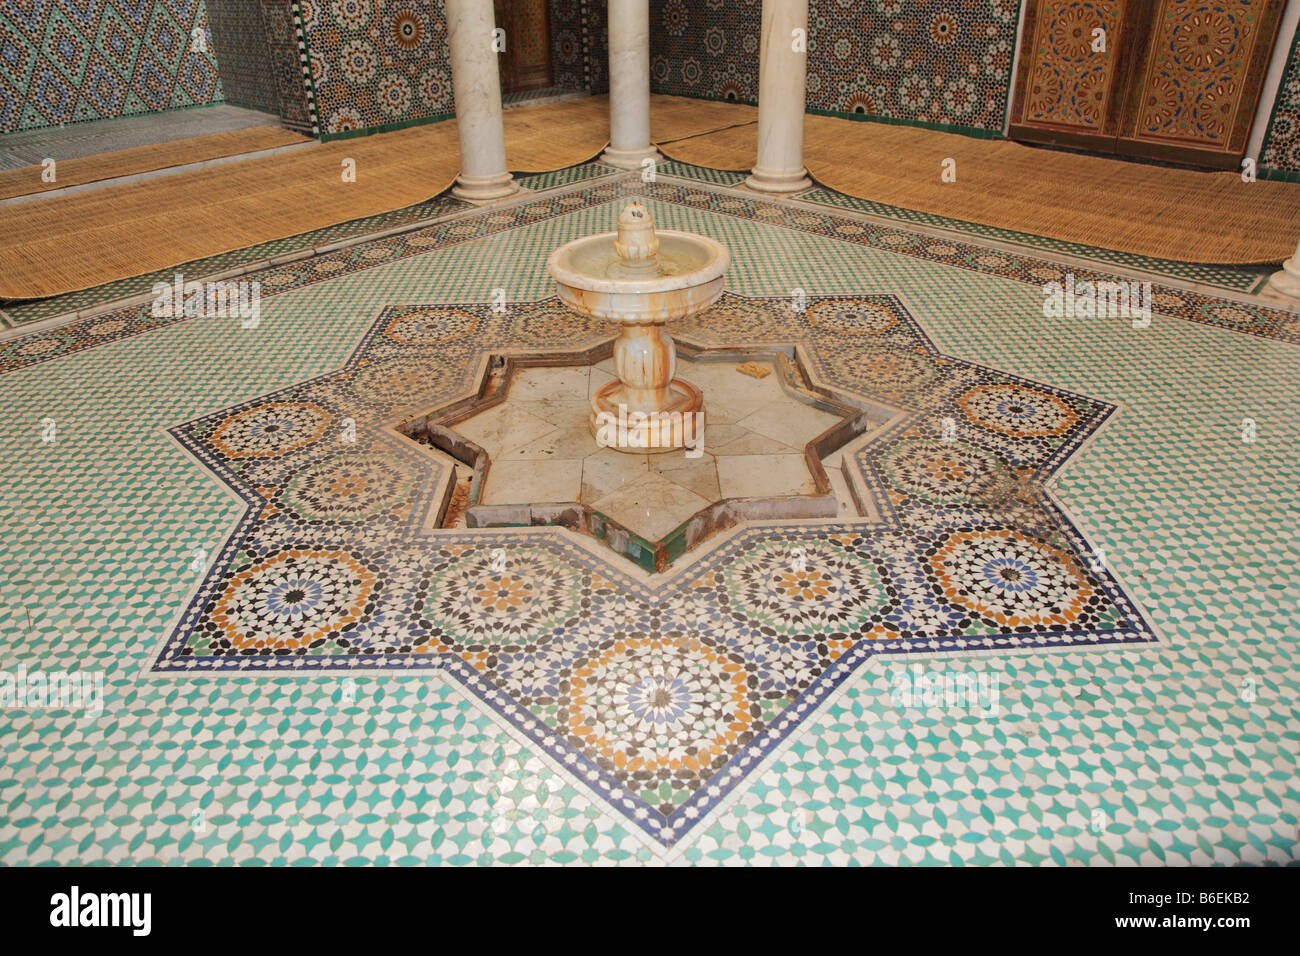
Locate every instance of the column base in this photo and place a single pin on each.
(485, 190)
(629, 158)
(1286, 281)
(778, 181)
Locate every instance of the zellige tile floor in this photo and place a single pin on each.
(374, 700)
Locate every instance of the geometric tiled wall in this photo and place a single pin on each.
(239, 38)
(384, 64)
(377, 63)
(285, 63)
(68, 61)
(567, 45)
(1282, 143)
(374, 64)
(924, 61)
(935, 62)
(705, 48)
(595, 14)
(257, 53)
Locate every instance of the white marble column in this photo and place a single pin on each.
(629, 85)
(1286, 281)
(782, 71)
(476, 85)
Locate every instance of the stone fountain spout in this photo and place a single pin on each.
(636, 243)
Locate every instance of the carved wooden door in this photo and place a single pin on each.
(1169, 79)
(526, 64)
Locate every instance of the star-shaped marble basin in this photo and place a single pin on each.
(537, 461)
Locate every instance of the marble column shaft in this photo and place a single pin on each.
(629, 84)
(476, 84)
(782, 73)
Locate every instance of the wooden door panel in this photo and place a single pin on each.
(532, 43)
(1179, 80)
(1198, 81)
(1067, 93)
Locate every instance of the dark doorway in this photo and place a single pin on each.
(526, 63)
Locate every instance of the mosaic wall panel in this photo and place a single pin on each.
(567, 50)
(386, 63)
(67, 62)
(708, 49)
(1199, 82)
(283, 47)
(596, 17)
(377, 63)
(243, 57)
(924, 61)
(1282, 142)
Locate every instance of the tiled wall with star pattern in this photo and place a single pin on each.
(382, 64)
(377, 64)
(1282, 143)
(596, 17)
(285, 58)
(924, 61)
(70, 61)
(240, 42)
(567, 47)
(707, 49)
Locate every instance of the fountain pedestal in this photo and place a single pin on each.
(649, 406)
(643, 279)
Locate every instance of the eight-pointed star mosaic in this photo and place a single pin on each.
(661, 692)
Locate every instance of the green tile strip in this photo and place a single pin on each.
(703, 174)
(540, 182)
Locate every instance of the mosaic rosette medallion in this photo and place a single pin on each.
(661, 693)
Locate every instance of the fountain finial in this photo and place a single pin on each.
(636, 244)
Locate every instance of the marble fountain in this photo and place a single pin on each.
(643, 279)
(581, 439)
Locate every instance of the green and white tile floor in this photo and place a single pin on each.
(1183, 751)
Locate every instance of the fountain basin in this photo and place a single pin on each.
(590, 278)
